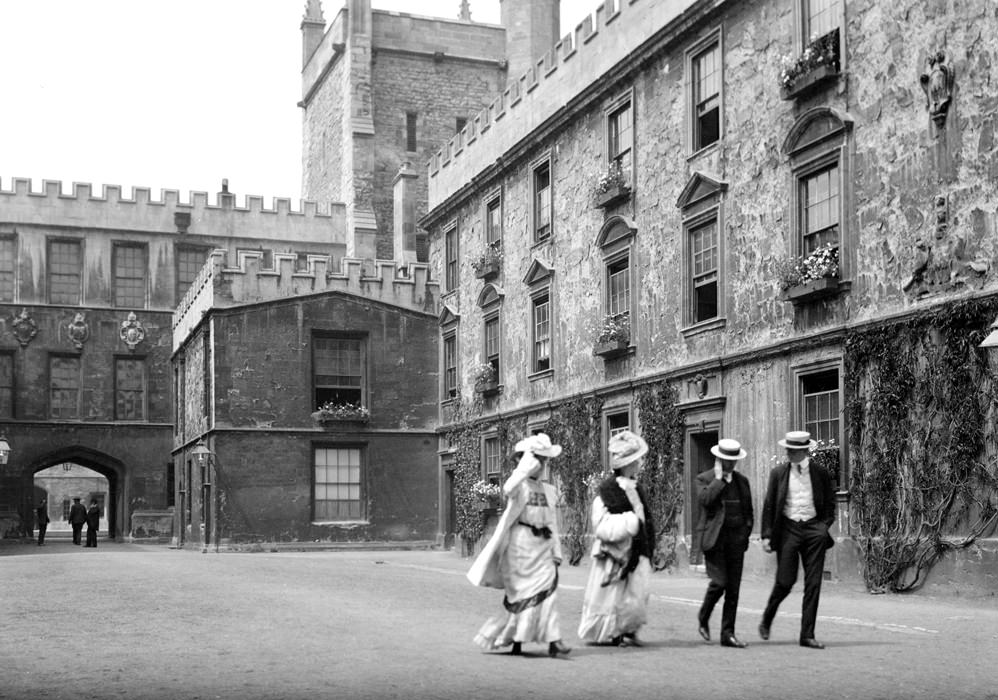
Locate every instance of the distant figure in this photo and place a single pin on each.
(77, 518)
(93, 523)
(42, 518)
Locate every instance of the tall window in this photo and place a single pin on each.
(6, 385)
(338, 484)
(617, 423)
(493, 221)
(820, 17)
(492, 460)
(541, 331)
(704, 263)
(820, 397)
(705, 82)
(450, 366)
(129, 267)
(65, 263)
(451, 262)
(618, 286)
(129, 389)
(542, 201)
(8, 256)
(190, 260)
(620, 139)
(64, 387)
(819, 200)
(492, 342)
(410, 132)
(338, 367)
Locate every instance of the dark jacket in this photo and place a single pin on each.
(712, 508)
(93, 518)
(42, 514)
(77, 514)
(615, 500)
(776, 498)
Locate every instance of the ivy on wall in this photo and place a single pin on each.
(662, 427)
(919, 403)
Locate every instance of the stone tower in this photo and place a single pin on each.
(531, 30)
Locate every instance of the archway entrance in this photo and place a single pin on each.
(60, 484)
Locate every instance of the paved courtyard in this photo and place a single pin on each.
(130, 621)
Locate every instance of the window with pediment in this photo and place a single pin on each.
(490, 302)
(701, 204)
(539, 279)
(616, 241)
(448, 322)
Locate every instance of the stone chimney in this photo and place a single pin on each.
(313, 26)
(532, 28)
(405, 213)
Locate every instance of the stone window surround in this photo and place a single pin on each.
(536, 164)
(9, 383)
(144, 270)
(179, 250)
(145, 386)
(490, 302)
(79, 388)
(539, 280)
(362, 339)
(626, 99)
(12, 237)
(485, 438)
(616, 241)
(801, 40)
(49, 241)
(491, 198)
(800, 372)
(451, 277)
(608, 413)
(349, 444)
(712, 36)
(695, 214)
(447, 335)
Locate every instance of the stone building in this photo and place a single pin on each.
(259, 350)
(88, 285)
(633, 211)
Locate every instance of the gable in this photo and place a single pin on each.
(814, 126)
(448, 316)
(700, 186)
(614, 229)
(538, 272)
(491, 294)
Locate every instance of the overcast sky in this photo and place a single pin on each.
(174, 95)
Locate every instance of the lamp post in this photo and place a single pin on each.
(205, 458)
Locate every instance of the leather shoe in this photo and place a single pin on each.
(811, 644)
(517, 649)
(631, 640)
(558, 647)
(733, 641)
(704, 631)
(764, 630)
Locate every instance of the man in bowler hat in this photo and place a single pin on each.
(42, 520)
(723, 530)
(797, 512)
(77, 518)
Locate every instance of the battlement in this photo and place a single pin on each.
(601, 41)
(248, 282)
(54, 205)
(437, 36)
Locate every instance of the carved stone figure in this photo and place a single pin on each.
(938, 83)
(79, 331)
(132, 332)
(700, 385)
(24, 327)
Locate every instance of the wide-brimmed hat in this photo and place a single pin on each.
(797, 440)
(626, 447)
(728, 449)
(539, 444)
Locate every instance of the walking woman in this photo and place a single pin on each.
(523, 555)
(616, 599)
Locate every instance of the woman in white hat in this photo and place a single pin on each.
(616, 599)
(523, 555)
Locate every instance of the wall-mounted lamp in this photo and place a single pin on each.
(202, 455)
(4, 450)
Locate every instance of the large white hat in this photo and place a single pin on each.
(797, 440)
(728, 449)
(626, 447)
(539, 444)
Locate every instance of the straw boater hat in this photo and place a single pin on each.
(529, 465)
(626, 447)
(797, 440)
(728, 449)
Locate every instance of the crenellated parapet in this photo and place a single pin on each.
(53, 205)
(600, 42)
(247, 281)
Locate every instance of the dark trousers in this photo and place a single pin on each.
(91, 537)
(42, 527)
(77, 531)
(724, 567)
(803, 542)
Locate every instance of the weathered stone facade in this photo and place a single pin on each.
(915, 211)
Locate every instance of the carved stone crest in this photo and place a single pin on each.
(938, 83)
(24, 327)
(132, 332)
(79, 331)
(700, 385)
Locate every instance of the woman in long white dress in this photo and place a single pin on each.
(522, 557)
(615, 602)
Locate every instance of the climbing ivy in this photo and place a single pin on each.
(661, 479)
(919, 397)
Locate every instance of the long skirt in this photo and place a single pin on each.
(530, 579)
(616, 609)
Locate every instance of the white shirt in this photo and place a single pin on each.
(800, 496)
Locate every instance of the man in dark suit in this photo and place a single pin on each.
(723, 531)
(42, 520)
(77, 518)
(798, 510)
(93, 523)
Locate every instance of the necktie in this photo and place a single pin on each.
(797, 467)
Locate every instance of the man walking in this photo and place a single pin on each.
(77, 517)
(797, 512)
(42, 520)
(723, 532)
(93, 523)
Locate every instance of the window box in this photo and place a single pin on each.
(487, 388)
(617, 194)
(332, 415)
(489, 269)
(811, 290)
(609, 349)
(812, 80)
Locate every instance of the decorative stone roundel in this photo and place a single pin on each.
(132, 332)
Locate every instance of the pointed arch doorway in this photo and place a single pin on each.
(77, 472)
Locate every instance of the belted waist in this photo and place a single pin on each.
(544, 531)
(812, 521)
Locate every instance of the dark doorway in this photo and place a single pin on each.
(700, 460)
(450, 518)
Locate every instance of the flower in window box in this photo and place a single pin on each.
(818, 60)
(330, 411)
(486, 379)
(810, 276)
(487, 494)
(488, 263)
(611, 187)
(613, 335)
